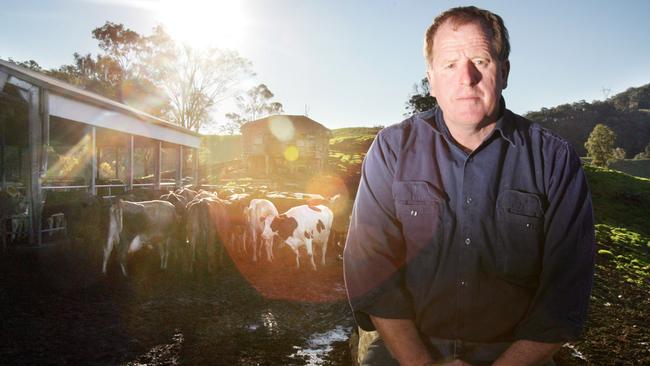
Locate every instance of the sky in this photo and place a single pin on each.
(355, 63)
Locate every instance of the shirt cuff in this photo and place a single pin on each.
(389, 304)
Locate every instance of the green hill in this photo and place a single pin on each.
(616, 328)
(627, 113)
(353, 139)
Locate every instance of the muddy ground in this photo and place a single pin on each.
(58, 310)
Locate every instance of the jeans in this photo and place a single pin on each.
(443, 350)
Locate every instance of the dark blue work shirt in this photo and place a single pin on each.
(494, 245)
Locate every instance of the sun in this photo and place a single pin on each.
(204, 23)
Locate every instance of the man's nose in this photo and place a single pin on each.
(469, 74)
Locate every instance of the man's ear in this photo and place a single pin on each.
(505, 71)
(431, 80)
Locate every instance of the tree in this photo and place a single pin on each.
(29, 64)
(254, 104)
(155, 75)
(600, 145)
(618, 154)
(420, 100)
(196, 80)
(644, 154)
(233, 126)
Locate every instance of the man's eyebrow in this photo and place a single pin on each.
(447, 59)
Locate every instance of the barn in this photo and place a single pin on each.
(284, 144)
(55, 137)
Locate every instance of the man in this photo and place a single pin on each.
(472, 237)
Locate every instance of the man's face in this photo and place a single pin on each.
(465, 75)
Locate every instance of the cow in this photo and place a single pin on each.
(187, 193)
(135, 224)
(301, 226)
(237, 215)
(259, 210)
(207, 227)
(205, 194)
(180, 204)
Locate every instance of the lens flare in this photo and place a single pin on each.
(291, 153)
(282, 128)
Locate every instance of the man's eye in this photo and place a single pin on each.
(480, 62)
(450, 66)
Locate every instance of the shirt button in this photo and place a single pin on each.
(468, 200)
(414, 213)
(468, 241)
(462, 283)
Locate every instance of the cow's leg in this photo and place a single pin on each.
(107, 252)
(295, 250)
(222, 244)
(190, 255)
(254, 239)
(165, 249)
(325, 248)
(242, 248)
(124, 250)
(268, 245)
(310, 252)
(211, 250)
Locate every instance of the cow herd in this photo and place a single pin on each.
(194, 228)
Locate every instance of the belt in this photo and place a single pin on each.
(475, 353)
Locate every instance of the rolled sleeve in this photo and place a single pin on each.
(374, 251)
(559, 308)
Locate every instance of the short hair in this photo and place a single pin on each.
(491, 23)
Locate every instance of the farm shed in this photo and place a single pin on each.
(282, 144)
(57, 137)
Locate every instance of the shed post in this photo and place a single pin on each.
(93, 160)
(157, 151)
(179, 167)
(195, 163)
(129, 164)
(35, 141)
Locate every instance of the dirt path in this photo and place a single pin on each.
(57, 311)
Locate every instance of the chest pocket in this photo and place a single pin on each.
(419, 208)
(520, 220)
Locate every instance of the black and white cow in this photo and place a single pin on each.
(301, 226)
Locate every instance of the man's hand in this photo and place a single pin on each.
(453, 363)
(524, 353)
(403, 341)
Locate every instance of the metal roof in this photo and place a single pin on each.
(66, 92)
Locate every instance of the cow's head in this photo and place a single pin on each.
(283, 226)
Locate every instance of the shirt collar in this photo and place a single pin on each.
(505, 124)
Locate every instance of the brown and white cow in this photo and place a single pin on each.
(301, 226)
(208, 226)
(133, 225)
(260, 210)
(237, 214)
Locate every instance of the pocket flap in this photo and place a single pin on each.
(520, 203)
(416, 192)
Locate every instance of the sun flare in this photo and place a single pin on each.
(204, 23)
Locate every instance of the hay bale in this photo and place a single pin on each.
(365, 339)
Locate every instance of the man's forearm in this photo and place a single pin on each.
(403, 341)
(524, 353)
